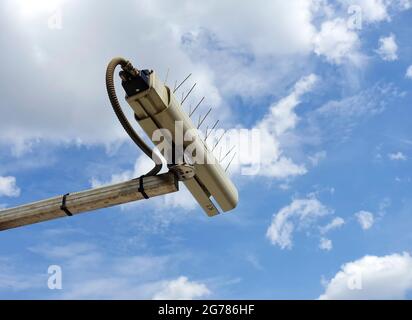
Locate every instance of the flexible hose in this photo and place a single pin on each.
(127, 66)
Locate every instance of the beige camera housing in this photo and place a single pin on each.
(156, 107)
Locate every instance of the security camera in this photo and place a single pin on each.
(157, 110)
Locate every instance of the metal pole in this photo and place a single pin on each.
(83, 201)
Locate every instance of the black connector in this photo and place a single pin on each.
(135, 84)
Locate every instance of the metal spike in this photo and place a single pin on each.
(204, 118)
(227, 154)
(198, 121)
(218, 141)
(220, 153)
(190, 109)
(230, 162)
(174, 87)
(190, 91)
(181, 83)
(214, 126)
(167, 76)
(197, 106)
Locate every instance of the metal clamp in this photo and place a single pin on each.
(141, 188)
(63, 207)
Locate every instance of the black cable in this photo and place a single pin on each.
(127, 66)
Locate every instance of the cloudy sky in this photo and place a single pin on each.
(327, 85)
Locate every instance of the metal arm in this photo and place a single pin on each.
(89, 200)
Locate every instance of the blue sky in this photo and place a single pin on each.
(329, 212)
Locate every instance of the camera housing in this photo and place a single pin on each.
(156, 107)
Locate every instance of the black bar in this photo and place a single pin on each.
(211, 309)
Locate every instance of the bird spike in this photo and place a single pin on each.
(204, 118)
(213, 127)
(197, 106)
(167, 76)
(190, 91)
(181, 83)
(230, 162)
(218, 141)
(198, 121)
(227, 154)
(220, 153)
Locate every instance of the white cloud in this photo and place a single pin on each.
(276, 20)
(182, 199)
(280, 119)
(384, 204)
(142, 165)
(334, 224)
(397, 156)
(141, 265)
(10, 280)
(226, 56)
(388, 48)
(368, 102)
(317, 158)
(300, 214)
(254, 261)
(336, 119)
(8, 187)
(399, 5)
(374, 11)
(75, 255)
(372, 277)
(282, 168)
(337, 43)
(74, 113)
(91, 273)
(409, 72)
(365, 219)
(181, 289)
(69, 251)
(325, 244)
